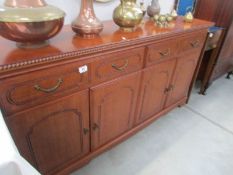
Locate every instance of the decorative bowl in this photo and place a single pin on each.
(30, 27)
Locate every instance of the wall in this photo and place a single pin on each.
(103, 10)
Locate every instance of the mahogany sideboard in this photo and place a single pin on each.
(68, 102)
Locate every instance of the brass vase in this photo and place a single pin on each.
(87, 24)
(30, 23)
(128, 15)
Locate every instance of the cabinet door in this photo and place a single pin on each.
(113, 108)
(183, 75)
(155, 86)
(53, 134)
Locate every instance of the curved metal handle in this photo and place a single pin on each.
(38, 88)
(165, 53)
(122, 68)
(195, 44)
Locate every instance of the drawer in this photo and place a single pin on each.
(22, 92)
(194, 41)
(161, 51)
(119, 63)
(213, 39)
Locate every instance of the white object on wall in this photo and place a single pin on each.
(103, 10)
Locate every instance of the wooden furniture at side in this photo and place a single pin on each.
(67, 103)
(220, 60)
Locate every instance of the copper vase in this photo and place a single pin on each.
(30, 23)
(25, 3)
(87, 24)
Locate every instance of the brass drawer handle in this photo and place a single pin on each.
(165, 53)
(166, 90)
(95, 127)
(170, 88)
(122, 68)
(38, 88)
(85, 131)
(195, 44)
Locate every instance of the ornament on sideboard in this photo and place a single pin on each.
(153, 9)
(87, 24)
(30, 23)
(128, 15)
(143, 8)
(174, 14)
(189, 15)
(163, 20)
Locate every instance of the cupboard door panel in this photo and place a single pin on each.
(182, 78)
(53, 134)
(155, 85)
(112, 108)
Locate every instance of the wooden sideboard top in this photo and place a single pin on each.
(67, 45)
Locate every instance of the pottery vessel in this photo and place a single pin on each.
(87, 24)
(30, 23)
(128, 15)
(153, 9)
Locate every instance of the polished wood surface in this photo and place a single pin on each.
(218, 11)
(154, 89)
(113, 106)
(52, 135)
(20, 92)
(161, 51)
(113, 65)
(66, 106)
(67, 45)
(182, 78)
(227, 48)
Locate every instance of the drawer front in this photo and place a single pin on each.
(117, 64)
(31, 89)
(161, 51)
(213, 39)
(194, 41)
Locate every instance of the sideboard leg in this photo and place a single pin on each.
(229, 75)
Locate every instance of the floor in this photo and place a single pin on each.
(193, 140)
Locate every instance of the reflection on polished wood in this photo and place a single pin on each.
(76, 98)
(66, 41)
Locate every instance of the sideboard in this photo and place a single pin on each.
(68, 102)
